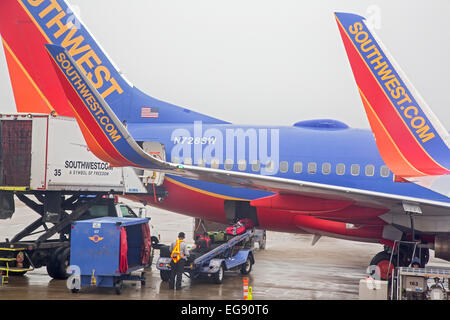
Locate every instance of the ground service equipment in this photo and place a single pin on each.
(46, 164)
(421, 284)
(371, 289)
(235, 253)
(105, 252)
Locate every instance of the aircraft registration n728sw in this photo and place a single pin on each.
(318, 177)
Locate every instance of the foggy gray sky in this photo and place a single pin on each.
(263, 62)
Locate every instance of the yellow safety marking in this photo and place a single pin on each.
(12, 249)
(14, 188)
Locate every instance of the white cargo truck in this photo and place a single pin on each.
(42, 152)
(46, 163)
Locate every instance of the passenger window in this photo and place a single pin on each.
(215, 163)
(270, 166)
(284, 166)
(256, 166)
(340, 169)
(188, 161)
(355, 169)
(228, 164)
(242, 165)
(384, 171)
(326, 168)
(201, 163)
(298, 167)
(370, 170)
(312, 168)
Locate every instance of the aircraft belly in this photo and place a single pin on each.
(338, 229)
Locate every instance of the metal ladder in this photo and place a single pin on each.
(6, 259)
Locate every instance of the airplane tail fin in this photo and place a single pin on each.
(410, 138)
(104, 133)
(27, 25)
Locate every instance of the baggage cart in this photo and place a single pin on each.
(105, 252)
(235, 253)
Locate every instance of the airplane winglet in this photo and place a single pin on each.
(105, 135)
(411, 140)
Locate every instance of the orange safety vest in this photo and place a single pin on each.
(175, 255)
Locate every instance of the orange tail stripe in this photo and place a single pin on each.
(389, 152)
(385, 111)
(27, 95)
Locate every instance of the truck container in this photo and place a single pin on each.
(47, 153)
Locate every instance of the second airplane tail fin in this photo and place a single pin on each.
(409, 136)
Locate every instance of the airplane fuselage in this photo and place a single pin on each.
(326, 152)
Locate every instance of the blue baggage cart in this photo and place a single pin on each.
(235, 253)
(105, 251)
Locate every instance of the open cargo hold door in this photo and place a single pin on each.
(158, 151)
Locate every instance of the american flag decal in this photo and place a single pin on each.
(149, 112)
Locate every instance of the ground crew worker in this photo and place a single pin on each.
(416, 263)
(179, 257)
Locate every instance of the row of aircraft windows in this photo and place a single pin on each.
(311, 167)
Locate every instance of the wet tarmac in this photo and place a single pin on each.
(288, 269)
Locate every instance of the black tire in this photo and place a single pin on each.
(155, 241)
(63, 262)
(381, 260)
(118, 286)
(246, 268)
(218, 276)
(75, 290)
(52, 264)
(165, 275)
(59, 261)
(143, 279)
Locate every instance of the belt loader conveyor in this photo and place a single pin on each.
(236, 253)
